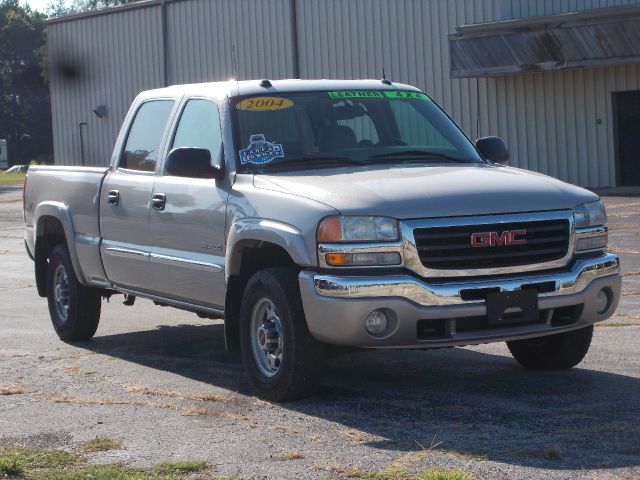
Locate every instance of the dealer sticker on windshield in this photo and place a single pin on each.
(260, 151)
(262, 104)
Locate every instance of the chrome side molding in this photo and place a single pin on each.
(126, 252)
(171, 260)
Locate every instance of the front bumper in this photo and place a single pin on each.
(337, 306)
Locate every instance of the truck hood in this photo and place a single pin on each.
(406, 192)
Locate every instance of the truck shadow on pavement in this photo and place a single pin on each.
(469, 403)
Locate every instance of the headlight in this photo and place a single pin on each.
(357, 229)
(590, 220)
(590, 214)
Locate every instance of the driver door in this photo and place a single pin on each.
(188, 226)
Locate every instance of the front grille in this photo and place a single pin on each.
(448, 248)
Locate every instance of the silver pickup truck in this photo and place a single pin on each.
(311, 214)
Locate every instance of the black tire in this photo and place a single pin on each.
(82, 304)
(300, 371)
(554, 352)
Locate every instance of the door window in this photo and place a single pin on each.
(199, 127)
(141, 150)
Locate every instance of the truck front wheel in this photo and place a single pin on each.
(74, 309)
(554, 352)
(281, 358)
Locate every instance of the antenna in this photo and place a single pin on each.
(235, 65)
(384, 78)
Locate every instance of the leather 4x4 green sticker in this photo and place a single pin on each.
(404, 94)
(347, 94)
(394, 94)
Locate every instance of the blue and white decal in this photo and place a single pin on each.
(260, 151)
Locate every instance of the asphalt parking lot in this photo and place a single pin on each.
(159, 382)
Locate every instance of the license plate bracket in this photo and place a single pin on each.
(505, 308)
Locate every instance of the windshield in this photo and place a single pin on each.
(338, 128)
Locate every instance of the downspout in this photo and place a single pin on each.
(163, 19)
(294, 38)
(82, 157)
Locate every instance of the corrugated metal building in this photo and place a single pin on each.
(559, 80)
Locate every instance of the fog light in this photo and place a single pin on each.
(376, 323)
(603, 301)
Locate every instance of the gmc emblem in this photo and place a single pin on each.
(493, 239)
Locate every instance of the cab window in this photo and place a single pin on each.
(199, 127)
(145, 135)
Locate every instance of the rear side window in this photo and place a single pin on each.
(141, 150)
(199, 127)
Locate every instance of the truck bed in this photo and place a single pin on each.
(70, 196)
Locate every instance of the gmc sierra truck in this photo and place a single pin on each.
(310, 214)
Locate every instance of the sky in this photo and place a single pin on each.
(39, 5)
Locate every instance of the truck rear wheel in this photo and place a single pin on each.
(74, 309)
(281, 358)
(554, 352)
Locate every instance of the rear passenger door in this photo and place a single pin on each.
(188, 231)
(126, 198)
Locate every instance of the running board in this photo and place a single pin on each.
(189, 307)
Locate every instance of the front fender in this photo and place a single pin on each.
(258, 230)
(61, 212)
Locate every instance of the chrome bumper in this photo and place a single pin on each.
(417, 291)
(336, 306)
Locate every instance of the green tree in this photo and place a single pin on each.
(25, 106)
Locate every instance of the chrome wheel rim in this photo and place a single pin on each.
(61, 292)
(266, 337)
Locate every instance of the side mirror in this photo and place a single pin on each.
(493, 148)
(192, 163)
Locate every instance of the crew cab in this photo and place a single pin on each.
(311, 214)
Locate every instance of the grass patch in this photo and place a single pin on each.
(425, 474)
(40, 464)
(212, 397)
(100, 444)
(10, 467)
(97, 472)
(11, 390)
(290, 455)
(188, 467)
(12, 178)
(37, 458)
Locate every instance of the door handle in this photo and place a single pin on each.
(113, 197)
(158, 201)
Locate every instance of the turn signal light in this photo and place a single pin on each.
(363, 259)
(337, 259)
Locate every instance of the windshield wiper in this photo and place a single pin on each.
(419, 155)
(313, 161)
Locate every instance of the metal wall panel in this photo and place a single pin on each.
(201, 34)
(557, 123)
(511, 9)
(99, 60)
